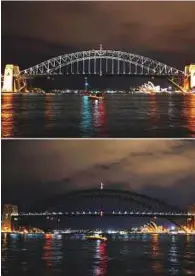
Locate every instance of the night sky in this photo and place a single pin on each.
(37, 170)
(36, 31)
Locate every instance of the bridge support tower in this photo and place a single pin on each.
(8, 211)
(191, 221)
(12, 80)
(189, 80)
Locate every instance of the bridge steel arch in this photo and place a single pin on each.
(142, 65)
(145, 202)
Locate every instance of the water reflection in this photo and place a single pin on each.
(4, 244)
(155, 245)
(7, 115)
(153, 109)
(92, 116)
(62, 116)
(4, 250)
(102, 259)
(60, 255)
(99, 116)
(171, 109)
(189, 113)
(47, 250)
(48, 110)
(156, 265)
(85, 115)
(52, 250)
(4, 241)
(173, 257)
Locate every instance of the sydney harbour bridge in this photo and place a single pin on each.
(98, 62)
(107, 202)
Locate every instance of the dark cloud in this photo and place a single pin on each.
(161, 29)
(41, 169)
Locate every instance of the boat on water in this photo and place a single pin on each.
(96, 96)
(96, 237)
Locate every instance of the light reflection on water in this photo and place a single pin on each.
(86, 118)
(115, 116)
(100, 256)
(65, 255)
(49, 111)
(7, 115)
(173, 257)
(156, 255)
(189, 113)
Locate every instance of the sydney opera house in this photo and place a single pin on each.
(151, 88)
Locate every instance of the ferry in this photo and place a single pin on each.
(96, 237)
(96, 96)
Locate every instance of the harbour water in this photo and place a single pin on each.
(44, 255)
(118, 115)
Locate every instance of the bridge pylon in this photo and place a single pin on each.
(189, 80)
(12, 80)
(191, 220)
(8, 211)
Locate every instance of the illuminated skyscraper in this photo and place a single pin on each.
(8, 211)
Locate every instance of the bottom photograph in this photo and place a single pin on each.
(98, 207)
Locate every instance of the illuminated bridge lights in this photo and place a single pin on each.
(99, 62)
(139, 205)
(114, 213)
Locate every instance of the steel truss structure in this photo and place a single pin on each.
(133, 205)
(102, 62)
(134, 202)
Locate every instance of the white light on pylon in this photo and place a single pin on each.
(102, 186)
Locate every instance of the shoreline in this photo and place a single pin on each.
(80, 94)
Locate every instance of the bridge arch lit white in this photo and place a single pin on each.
(102, 62)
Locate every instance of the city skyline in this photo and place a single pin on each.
(36, 170)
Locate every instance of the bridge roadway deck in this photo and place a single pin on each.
(102, 75)
(113, 214)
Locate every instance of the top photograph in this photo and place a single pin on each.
(98, 69)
